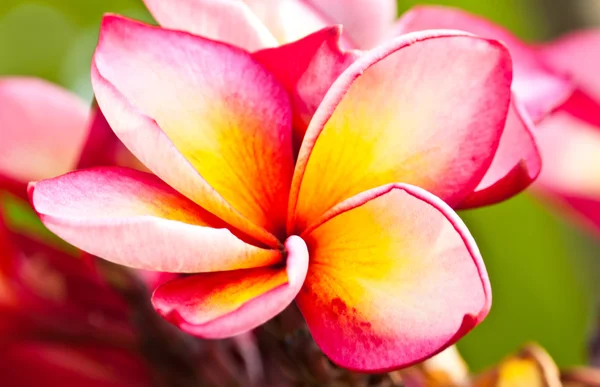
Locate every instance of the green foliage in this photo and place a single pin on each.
(519, 16)
(55, 39)
(21, 218)
(541, 277)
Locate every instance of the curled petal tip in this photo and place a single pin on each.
(297, 265)
(30, 189)
(224, 304)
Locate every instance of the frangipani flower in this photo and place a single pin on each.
(254, 24)
(384, 272)
(47, 131)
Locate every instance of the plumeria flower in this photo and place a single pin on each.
(48, 131)
(384, 272)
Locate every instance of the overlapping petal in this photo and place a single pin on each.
(227, 21)
(42, 131)
(394, 278)
(366, 22)
(516, 165)
(202, 115)
(537, 87)
(134, 219)
(577, 55)
(571, 153)
(216, 305)
(426, 109)
(307, 68)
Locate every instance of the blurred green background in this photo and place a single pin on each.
(542, 269)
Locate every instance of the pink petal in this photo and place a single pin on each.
(395, 277)
(516, 165)
(42, 127)
(405, 112)
(581, 105)
(153, 279)
(307, 68)
(366, 22)
(571, 153)
(540, 89)
(227, 21)
(578, 56)
(203, 116)
(220, 305)
(132, 218)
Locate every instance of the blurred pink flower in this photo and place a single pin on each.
(570, 139)
(59, 323)
(371, 260)
(47, 131)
